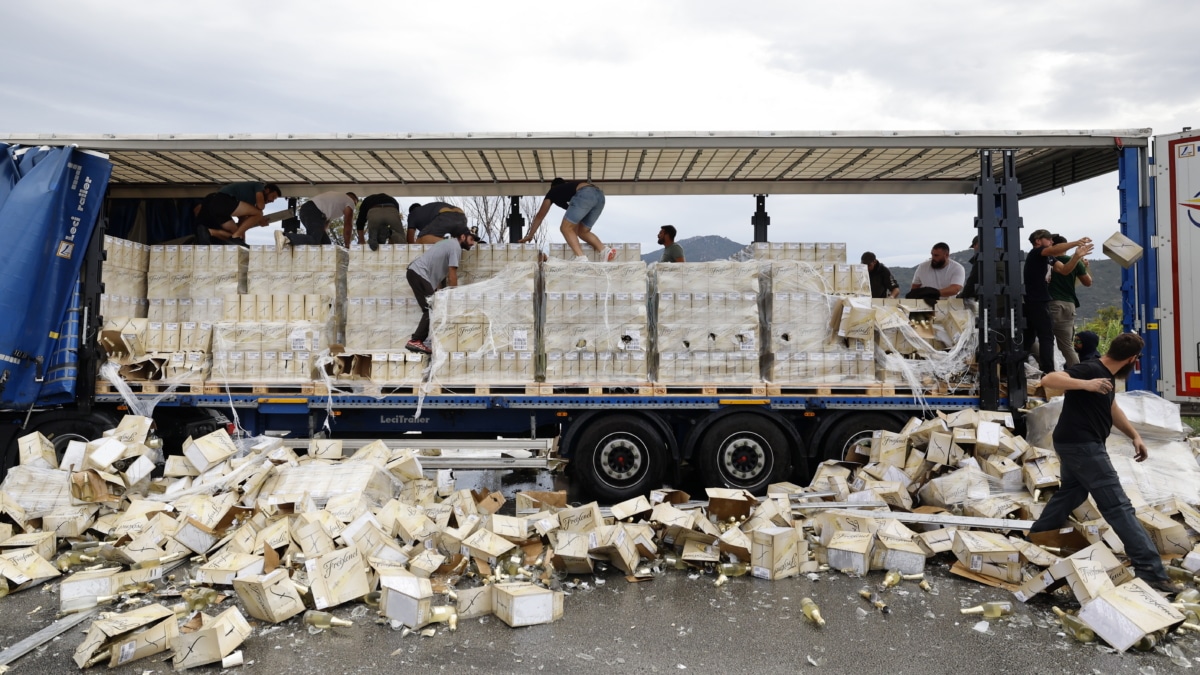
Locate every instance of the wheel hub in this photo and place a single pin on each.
(744, 458)
(620, 459)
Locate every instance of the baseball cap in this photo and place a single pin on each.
(475, 233)
(1041, 234)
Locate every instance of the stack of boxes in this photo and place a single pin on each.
(276, 331)
(626, 253)
(820, 324)
(381, 312)
(707, 322)
(487, 260)
(486, 332)
(596, 327)
(807, 251)
(124, 278)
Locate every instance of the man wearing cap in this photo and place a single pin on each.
(434, 221)
(1038, 326)
(426, 274)
(883, 283)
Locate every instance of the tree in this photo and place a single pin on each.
(490, 215)
(1106, 325)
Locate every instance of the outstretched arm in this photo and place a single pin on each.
(537, 221)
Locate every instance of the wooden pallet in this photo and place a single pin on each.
(711, 389)
(213, 388)
(818, 389)
(156, 387)
(617, 389)
(524, 389)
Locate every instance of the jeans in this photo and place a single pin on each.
(423, 290)
(314, 223)
(1037, 327)
(585, 206)
(1062, 321)
(1086, 469)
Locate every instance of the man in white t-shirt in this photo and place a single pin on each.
(940, 272)
(315, 215)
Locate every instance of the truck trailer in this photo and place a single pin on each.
(622, 438)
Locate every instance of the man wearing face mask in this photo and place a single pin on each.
(1088, 415)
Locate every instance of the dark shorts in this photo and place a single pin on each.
(217, 209)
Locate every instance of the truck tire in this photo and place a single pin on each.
(619, 457)
(60, 432)
(746, 452)
(853, 429)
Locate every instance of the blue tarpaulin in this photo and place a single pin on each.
(49, 202)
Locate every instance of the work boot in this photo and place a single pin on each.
(1165, 586)
(417, 346)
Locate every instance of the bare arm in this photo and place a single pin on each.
(896, 292)
(1061, 380)
(1121, 422)
(452, 277)
(1059, 249)
(951, 290)
(260, 200)
(537, 221)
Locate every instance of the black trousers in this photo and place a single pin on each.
(1039, 327)
(423, 290)
(1087, 469)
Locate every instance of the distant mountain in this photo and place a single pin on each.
(1104, 292)
(701, 249)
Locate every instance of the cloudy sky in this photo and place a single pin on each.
(317, 67)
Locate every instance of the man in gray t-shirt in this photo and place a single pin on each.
(425, 274)
(672, 252)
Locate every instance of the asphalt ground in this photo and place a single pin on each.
(678, 622)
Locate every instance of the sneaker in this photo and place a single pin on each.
(417, 346)
(281, 239)
(580, 258)
(609, 253)
(1166, 586)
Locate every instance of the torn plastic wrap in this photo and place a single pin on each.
(486, 261)
(817, 326)
(486, 332)
(1171, 470)
(596, 326)
(38, 491)
(626, 253)
(124, 278)
(707, 326)
(143, 404)
(927, 350)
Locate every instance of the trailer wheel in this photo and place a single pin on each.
(746, 452)
(619, 457)
(61, 432)
(853, 430)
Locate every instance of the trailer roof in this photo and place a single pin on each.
(625, 163)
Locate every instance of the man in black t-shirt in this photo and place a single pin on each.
(379, 215)
(430, 223)
(1037, 292)
(1088, 415)
(883, 282)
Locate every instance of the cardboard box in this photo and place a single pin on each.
(425, 563)
(210, 450)
(897, 553)
(570, 552)
(617, 545)
(337, 577)
(523, 604)
(37, 450)
(1122, 249)
(1122, 615)
(408, 599)
(988, 553)
(474, 602)
(850, 551)
(212, 643)
(581, 518)
(127, 637)
(270, 597)
(639, 507)
(486, 546)
(227, 565)
(80, 590)
(1168, 535)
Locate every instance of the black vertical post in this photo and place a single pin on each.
(516, 222)
(1012, 260)
(760, 220)
(90, 321)
(1000, 321)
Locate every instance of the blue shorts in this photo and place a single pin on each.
(585, 206)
